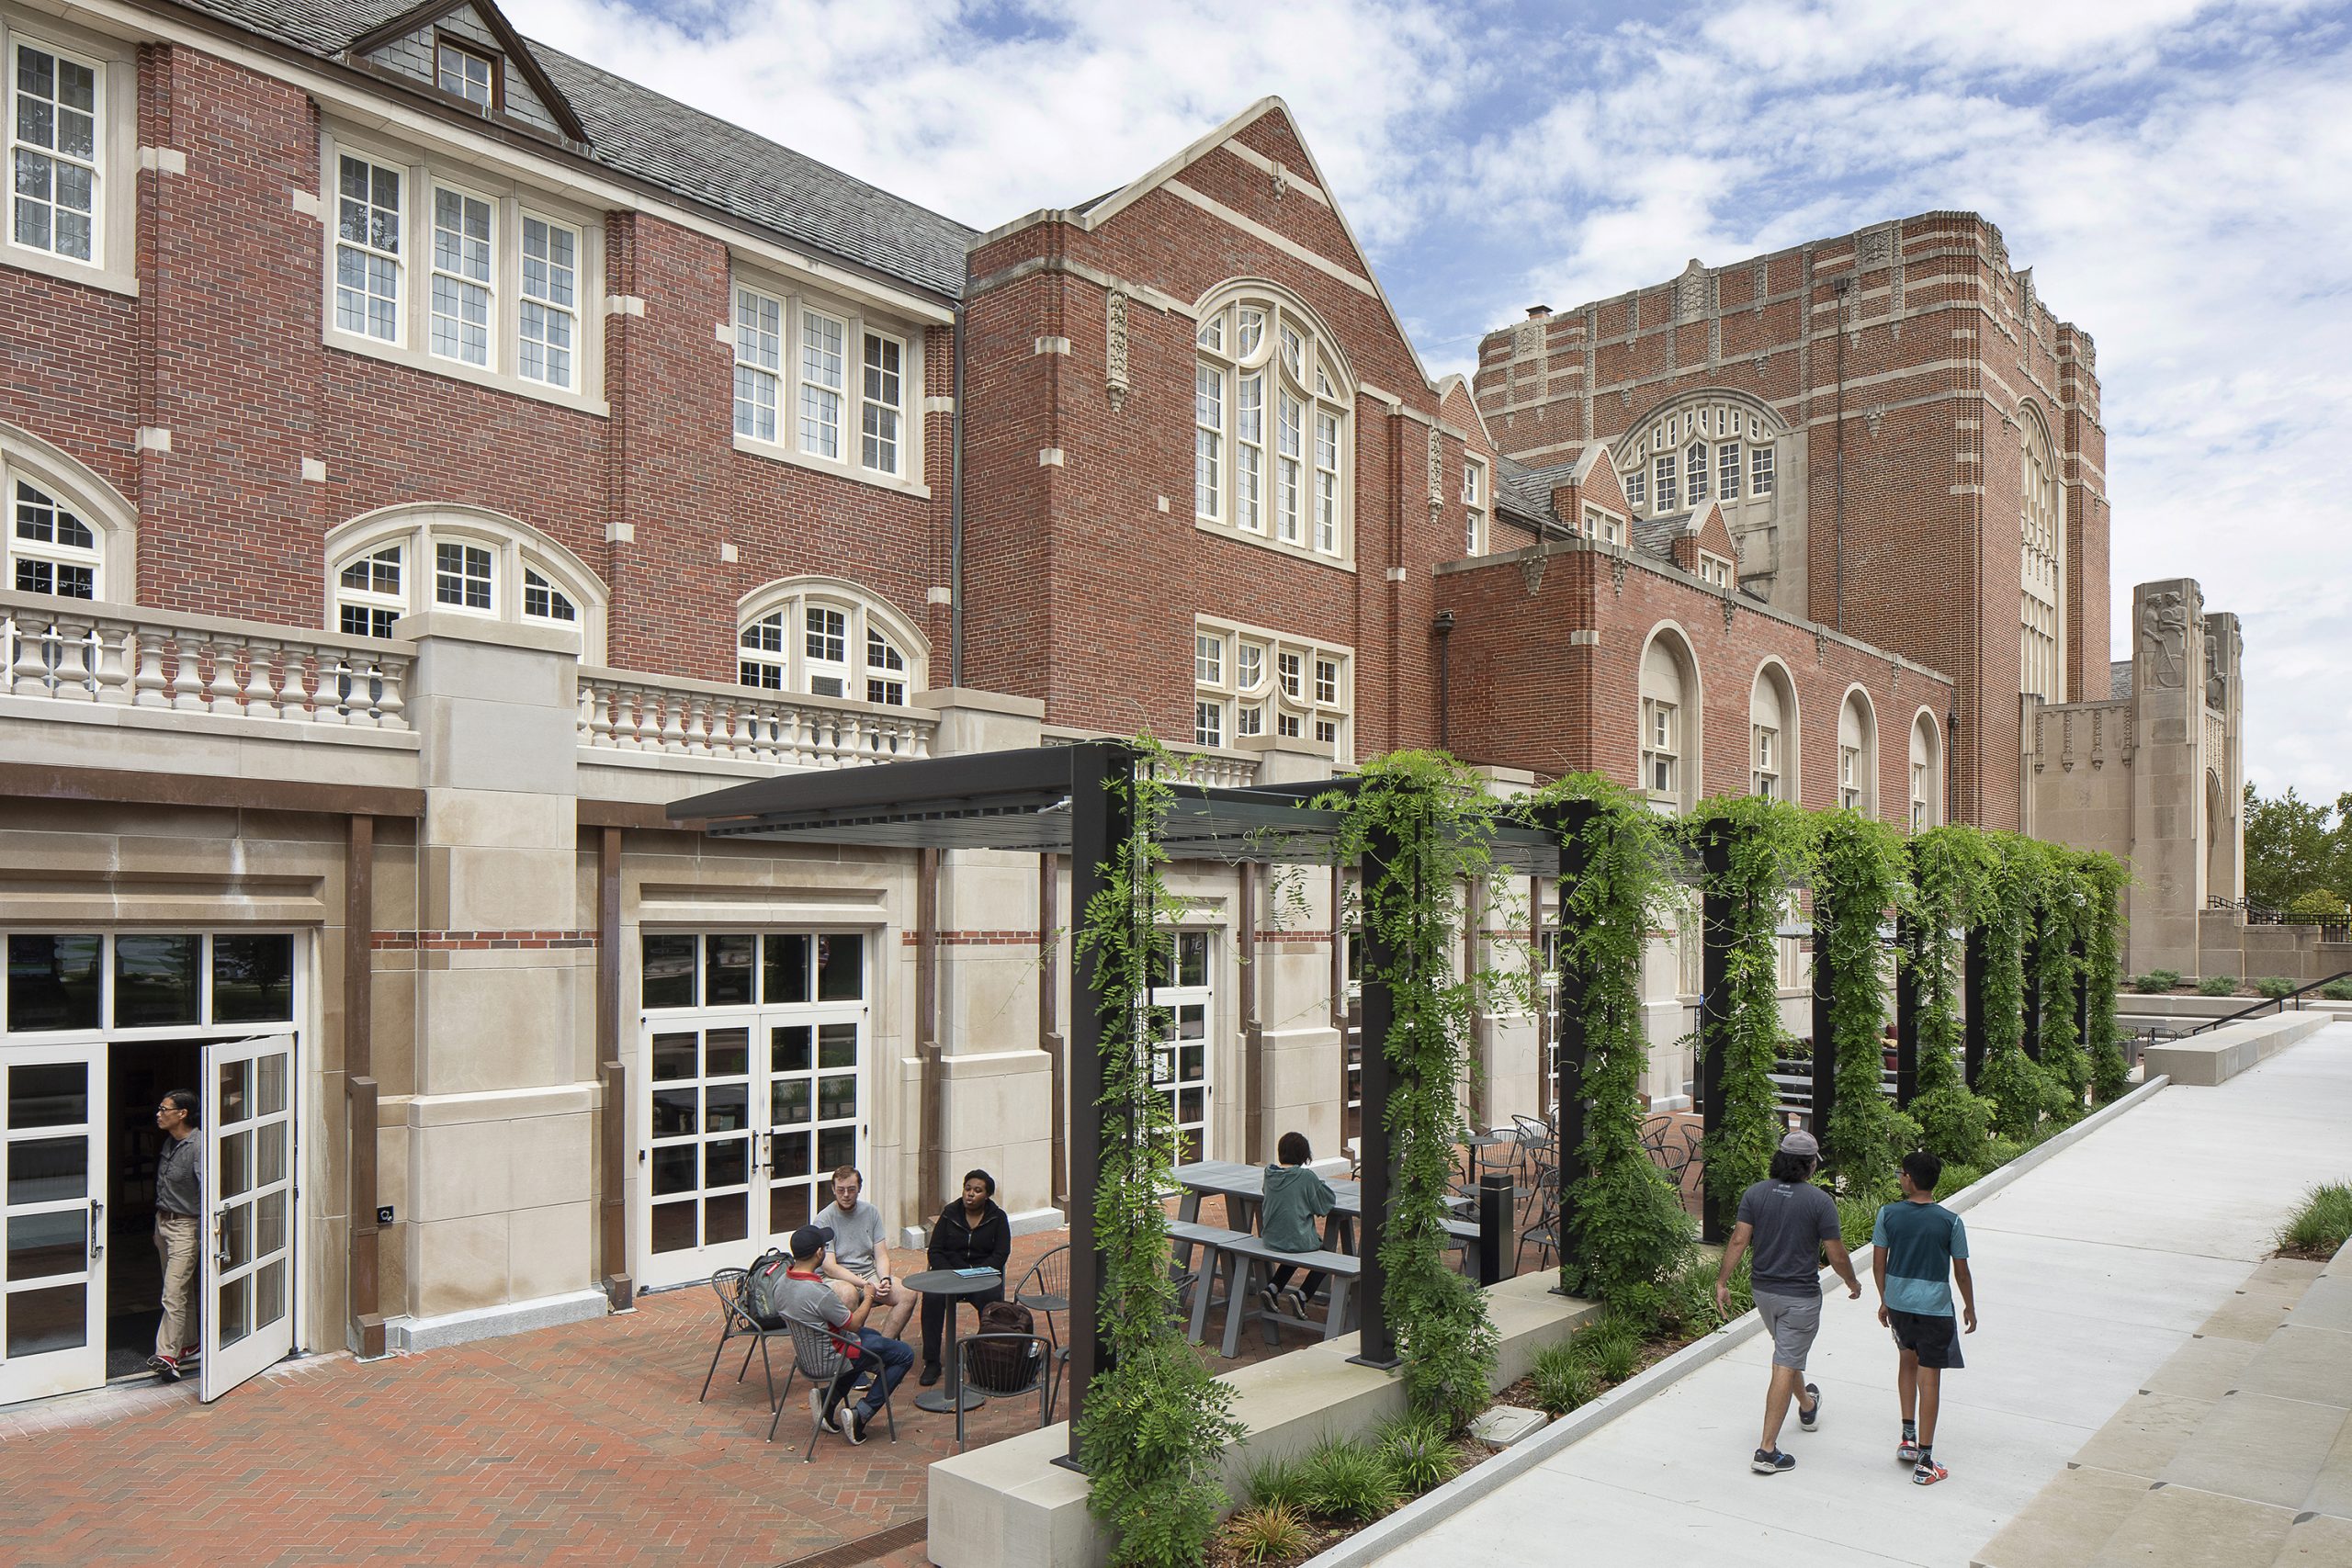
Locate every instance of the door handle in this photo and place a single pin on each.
(219, 1254)
(97, 1231)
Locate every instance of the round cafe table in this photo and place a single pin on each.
(951, 1284)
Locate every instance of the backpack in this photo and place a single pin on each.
(764, 1289)
(1003, 1367)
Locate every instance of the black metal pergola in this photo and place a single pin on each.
(1070, 800)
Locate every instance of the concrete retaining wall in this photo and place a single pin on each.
(2208, 1059)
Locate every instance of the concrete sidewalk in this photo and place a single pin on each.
(2090, 1271)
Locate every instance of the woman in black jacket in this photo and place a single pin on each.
(971, 1233)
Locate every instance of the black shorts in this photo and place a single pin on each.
(1935, 1340)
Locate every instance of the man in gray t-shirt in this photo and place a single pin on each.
(807, 1298)
(861, 1254)
(1790, 1222)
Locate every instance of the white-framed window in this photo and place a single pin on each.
(1670, 736)
(1637, 487)
(1764, 774)
(1759, 471)
(1715, 571)
(1290, 486)
(2041, 563)
(461, 297)
(495, 294)
(1849, 777)
(50, 549)
(1727, 471)
(1269, 681)
(1857, 755)
(426, 558)
(467, 74)
(824, 637)
(1473, 507)
(70, 539)
(1662, 471)
(1599, 525)
(1927, 772)
(817, 383)
(1920, 822)
(1694, 468)
(56, 143)
(550, 307)
(1661, 747)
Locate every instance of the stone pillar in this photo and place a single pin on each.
(2169, 794)
(995, 1084)
(497, 1142)
(2224, 702)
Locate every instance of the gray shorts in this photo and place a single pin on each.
(1792, 1320)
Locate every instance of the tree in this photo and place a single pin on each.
(2295, 846)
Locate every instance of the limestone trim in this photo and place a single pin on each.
(518, 550)
(79, 489)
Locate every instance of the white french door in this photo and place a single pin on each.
(754, 1080)
(246, 1236)
(1180, 1060)
(53, 1221)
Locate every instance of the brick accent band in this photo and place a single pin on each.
(475, 942)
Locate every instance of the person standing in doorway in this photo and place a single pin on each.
(1917, 1249)
(1789, 1222)
(179, 1198)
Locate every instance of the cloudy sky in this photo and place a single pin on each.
(2179, 175)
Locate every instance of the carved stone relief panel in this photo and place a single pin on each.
(2164, 642)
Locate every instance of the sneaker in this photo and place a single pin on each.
(855, 1430)
(1810, 1420)
(930, 1374)
(1271, 1302)
(1771, 1461)
(1296, 1301)
(1929, 1474)
(165, 1368)
(1907, 1451)
(846, 1421)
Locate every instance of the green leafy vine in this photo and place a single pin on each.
(1857, 878)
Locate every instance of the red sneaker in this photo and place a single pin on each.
(1929, 1474)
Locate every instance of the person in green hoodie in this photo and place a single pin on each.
(1295, 1197)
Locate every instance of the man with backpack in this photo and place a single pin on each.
(805, 1297)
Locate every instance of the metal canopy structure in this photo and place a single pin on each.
(1070, 800)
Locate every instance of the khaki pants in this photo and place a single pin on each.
(176, 1239)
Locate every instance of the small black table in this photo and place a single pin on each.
(951, 1284)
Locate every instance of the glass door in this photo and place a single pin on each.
(1180, 1063)
(699, 1144)
(52, 1211)
(247, 1300)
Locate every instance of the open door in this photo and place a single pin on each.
(247, 1302)
(53, 1222)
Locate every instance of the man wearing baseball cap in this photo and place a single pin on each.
(1789, 1222)
(808, 1299)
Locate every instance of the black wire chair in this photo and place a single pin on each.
(1544, 1232)
(1007, 1366)
(816, 1355)
(1045, 1289)
(736, 1321)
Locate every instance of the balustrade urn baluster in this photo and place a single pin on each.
(28, 677)
(334, 691)
(187, 680)
(673, 726)
(391, 704)
(698, 727)
(148, 683)
(114, 667)
(73, 665)
(260, 694)
(224, 691)
(293, 695)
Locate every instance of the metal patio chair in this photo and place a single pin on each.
(1045, 1289)
(736, 1323)
(1544, 1232)
(815, 1356)
(1009, 1366)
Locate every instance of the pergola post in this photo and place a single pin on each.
(1567, 824)
(1972, 967)
(1101, 809)
(1824, 1034)
(1376, 1342)
(1714, 1011)
(1907, 948)
(2032, 959)
(2082, 994)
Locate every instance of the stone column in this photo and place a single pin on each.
(496, 1145)
(2168, 792)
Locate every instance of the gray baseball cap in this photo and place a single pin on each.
(1802, 1143)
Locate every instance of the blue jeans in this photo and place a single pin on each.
(886, 1358)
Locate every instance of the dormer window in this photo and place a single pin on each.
(468, 75)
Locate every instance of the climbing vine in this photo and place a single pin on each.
(1627, 1229)
(1156, 1423)
(1857, 876)
(2019, 1092)
(1763, 843)
(1423, 825)
(2062, 917)
(1951, 880)
(2103, 966)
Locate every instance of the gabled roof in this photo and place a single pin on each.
(637, 132)
(518, 53)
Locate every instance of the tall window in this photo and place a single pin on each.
(773, 333)
(1764, 779)
(461, 289)
(1927, 773)
(473, 562)
(1694, 465)
(827, 639)
(1473, 507)
(1759, 471)
(1288, 485)
(880, 401)
(1772, 731)
(2040, 566)
(1661, 747)
(367, 249)
(1669, 495)
(1670, 732)
(759, 349)
(53, 152)
(1849, 777)
(1247, 681)
(550, 315)
(821, 384)
(1637, 488)
(1857, 755)
(1727, 471)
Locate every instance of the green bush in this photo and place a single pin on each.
(1611, 1349)
(1562, 1380)
(2337, 990)
(1419, 1452)
(1275, 1484)
(1267, 1534)
(2319, 904)
(2276, 986)
(1347, 1481)
(1856, 1216)
(2000, 1151)
(1956, 1178)
(2156, 980)
(2322, 1226)
(2217, 985)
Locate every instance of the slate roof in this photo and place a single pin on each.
(637, 131)
(1529, 490)
(1656, 535)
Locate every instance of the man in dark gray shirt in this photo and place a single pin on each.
(179, 1198)
(808, 1299)
(1789, 1222)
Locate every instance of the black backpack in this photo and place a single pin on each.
(764, 1289)
(1002, 1366)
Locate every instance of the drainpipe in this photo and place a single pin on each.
(956, 522)
(1444, 678)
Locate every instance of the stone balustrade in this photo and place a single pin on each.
(77, 650)
(630, 711)
(1202, 765)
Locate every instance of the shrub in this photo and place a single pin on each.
(2322, 1226)
(2158, 980)
(1563, 1380)
(2217, 985)
(1856, 1218)
(2337, 990)
(1267, 1534)
(1957, 1178)
(2319, 904)
(1419, 1452)
(2276, 986)
(1610, 1348)
(1349, 1481)
(2000, 1151)
(1275, 1484)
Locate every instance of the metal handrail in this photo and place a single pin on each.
(2256, 1008)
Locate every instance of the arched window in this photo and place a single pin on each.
(1927, 773)
(823, 637)
(408, 559)
(67, 533)
(2041, 565)
(1669, 739)
(1858, 754)
(1272, 411)
(1772, 736)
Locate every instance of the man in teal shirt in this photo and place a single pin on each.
(1917, 1247)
